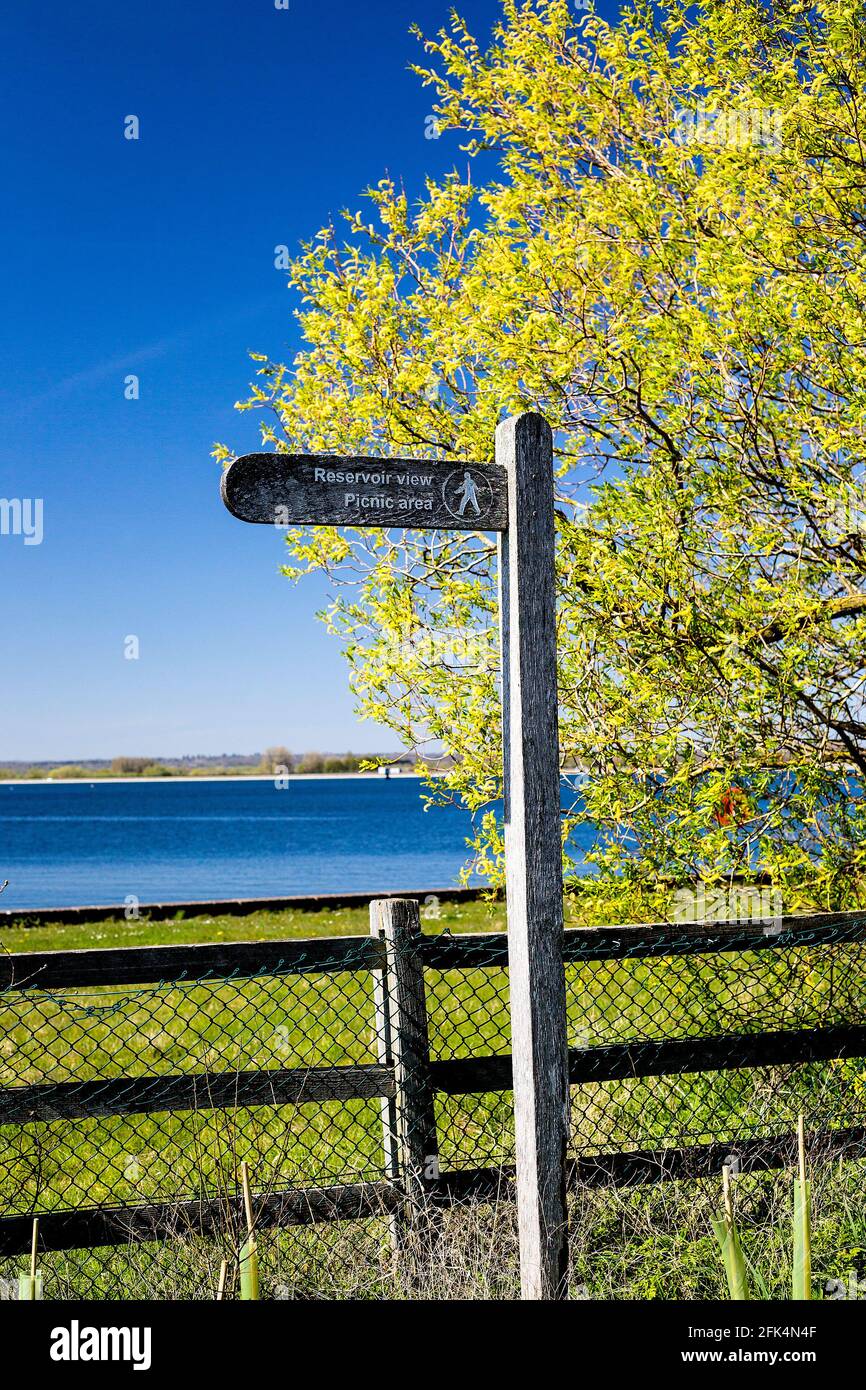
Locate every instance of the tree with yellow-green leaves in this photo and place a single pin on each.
(658, 241)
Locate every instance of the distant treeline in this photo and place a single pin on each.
(273, 762)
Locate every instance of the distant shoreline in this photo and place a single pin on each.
(227, 777)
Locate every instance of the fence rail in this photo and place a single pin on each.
(125, 965)
(414, 1024)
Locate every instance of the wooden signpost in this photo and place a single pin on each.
(533, 853)
(513, 497)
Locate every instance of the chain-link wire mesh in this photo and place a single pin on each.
(777, 996)
(143, 1098)
(468, 1013)
(82, 1127)
(79, 1044)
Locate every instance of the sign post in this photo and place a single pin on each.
(533, 853)
(513, 497)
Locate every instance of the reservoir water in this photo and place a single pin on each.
(67, 844)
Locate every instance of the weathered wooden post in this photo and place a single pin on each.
(408, 1120)
(385, 1055)
(533, 854)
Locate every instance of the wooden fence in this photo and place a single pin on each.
(404, 1078)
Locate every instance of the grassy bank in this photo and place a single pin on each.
(257, 926)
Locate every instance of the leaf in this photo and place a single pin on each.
(249, 1269)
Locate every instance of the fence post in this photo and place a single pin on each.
(408, 1120)
(533, 854)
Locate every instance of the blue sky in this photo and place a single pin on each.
(156, 257)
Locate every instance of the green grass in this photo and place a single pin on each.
(257, 926)
(625, 1242)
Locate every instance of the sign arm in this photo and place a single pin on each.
(338, 490)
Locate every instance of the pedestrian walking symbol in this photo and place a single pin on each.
(466, 494)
